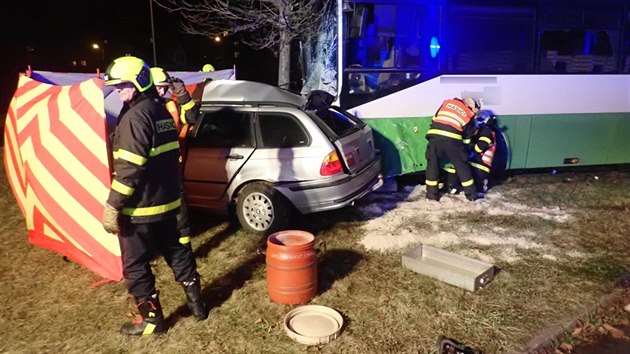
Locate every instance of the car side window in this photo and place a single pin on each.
(225, 128)
(281, 131)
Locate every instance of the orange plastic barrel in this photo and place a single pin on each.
(291, 267)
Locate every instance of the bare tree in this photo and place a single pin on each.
(270, 24)
(319, 57)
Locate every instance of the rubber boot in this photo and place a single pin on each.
(149, 321)
(194, 300)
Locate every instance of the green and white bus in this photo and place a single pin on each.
(556, 73)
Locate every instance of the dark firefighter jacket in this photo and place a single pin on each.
(184, 109)
(146, 184)
(483, 148)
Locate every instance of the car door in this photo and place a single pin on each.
(221, 143)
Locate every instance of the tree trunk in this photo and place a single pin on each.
(322, 73)
(284, 62)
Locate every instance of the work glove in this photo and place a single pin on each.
(110, 219)
(178, 87)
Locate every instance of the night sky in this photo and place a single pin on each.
(51, 35)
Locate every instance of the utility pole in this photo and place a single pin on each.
(153, 33)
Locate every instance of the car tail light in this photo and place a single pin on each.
(331, 165)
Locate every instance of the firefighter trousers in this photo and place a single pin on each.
(140, 243)
(441, 149)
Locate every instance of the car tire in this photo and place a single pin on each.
(261, 209)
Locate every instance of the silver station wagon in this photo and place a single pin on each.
(258, 151)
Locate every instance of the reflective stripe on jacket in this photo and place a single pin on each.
(453, 113)
(485, 145)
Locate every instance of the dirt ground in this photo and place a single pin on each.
(611, 332)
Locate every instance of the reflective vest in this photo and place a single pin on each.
(450, 119)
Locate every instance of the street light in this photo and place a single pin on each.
(153, 33)
(96, 46)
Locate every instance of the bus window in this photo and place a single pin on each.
(579, 40)
(576, 51)
(490, 39)
(387, 47)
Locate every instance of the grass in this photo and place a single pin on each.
(51, 307)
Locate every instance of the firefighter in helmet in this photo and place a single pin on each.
(483, 146)
(184, 110)
(207, 68)
(480, 140)
(445, 144)
(144, 198)
(182, 114)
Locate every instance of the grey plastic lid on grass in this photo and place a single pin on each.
(313, 324)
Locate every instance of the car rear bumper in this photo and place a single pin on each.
(311, 197)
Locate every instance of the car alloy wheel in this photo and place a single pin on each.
(260, 208)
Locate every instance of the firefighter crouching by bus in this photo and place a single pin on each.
(480, 140)
(445, 143)
(145, 196)
(483, 146)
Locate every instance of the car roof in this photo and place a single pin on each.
(248, 92)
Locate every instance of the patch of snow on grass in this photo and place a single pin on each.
(404, 219)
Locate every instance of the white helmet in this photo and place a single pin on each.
(473, 103)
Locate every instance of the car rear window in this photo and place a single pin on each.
(340, 123)
(281, 131)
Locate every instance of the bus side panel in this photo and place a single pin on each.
(558, 138)
(402, 143)
(516, 130)
(620, 144)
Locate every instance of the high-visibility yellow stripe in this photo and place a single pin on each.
(431, 183)
(486, 139)
(173, 145)
(480, 166)
(154, 210)
(478, 149)
(468, 183)
(466, 141)
(129, 156)
(445, 133)
(121, 188)
(149, 329)
(449, 169)
(185, 107)
(184, 240)
(452, 115)
(452, 121)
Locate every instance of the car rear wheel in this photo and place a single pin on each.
(261, 209)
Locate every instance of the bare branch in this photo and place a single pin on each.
(262, 20)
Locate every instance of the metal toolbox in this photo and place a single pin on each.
(464, 272)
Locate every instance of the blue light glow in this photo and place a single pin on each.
(434, 46)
